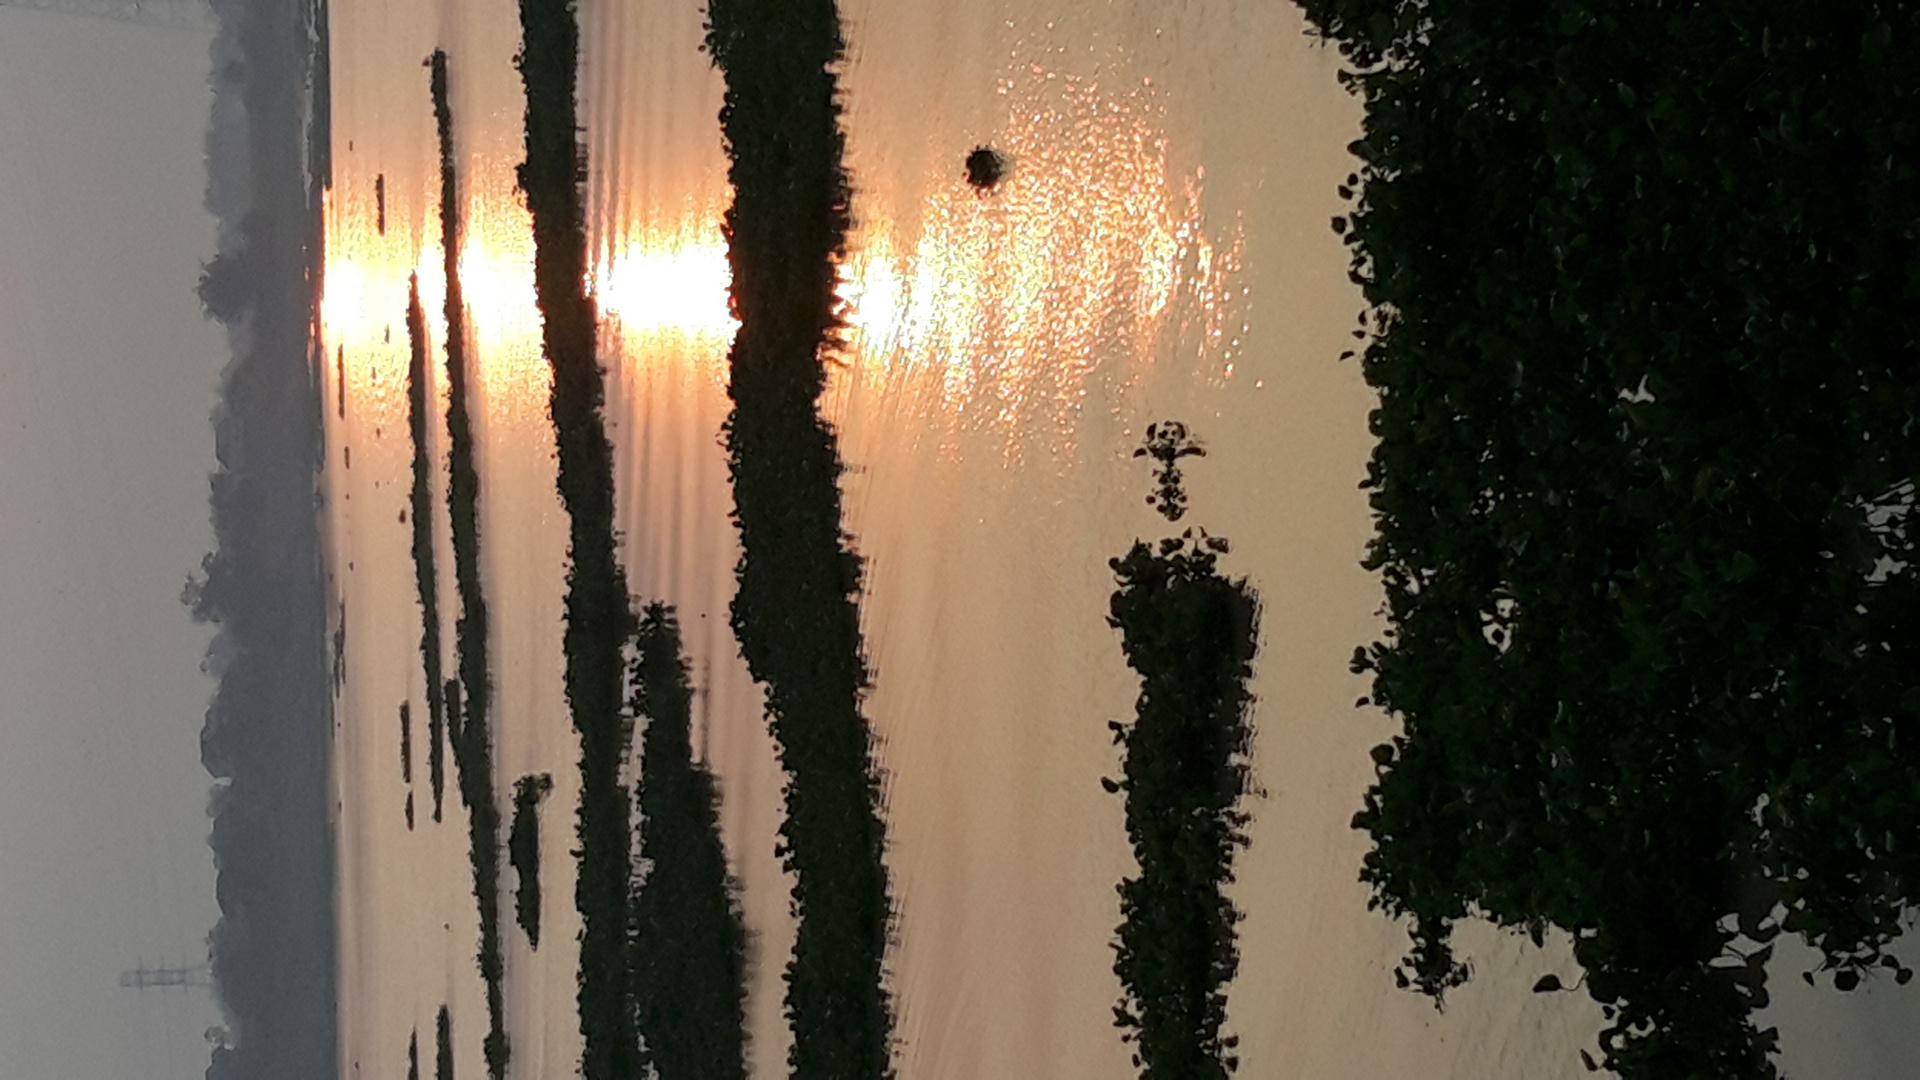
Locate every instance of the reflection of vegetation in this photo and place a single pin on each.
(443, 1048)
(794, 612)
(523, 851)
(596, 603)
(467, 705)
(1644, 340)
(688, 945)
(1191, 635)
(418, 420)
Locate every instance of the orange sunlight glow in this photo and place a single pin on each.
(1005, 304)
(997, 309)
(503, 310)
(363, 308)
(673, 287)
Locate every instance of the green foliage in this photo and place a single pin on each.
(523, 851)
(468, 699)
(794, 612)
(1191, 634)
(688, 944)
(1644, 305)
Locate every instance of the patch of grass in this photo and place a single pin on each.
(794, 612)
(688, 944)
(468, 701)
(523, 851)
(1191, 634)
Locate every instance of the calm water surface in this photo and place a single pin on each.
(1159, 250)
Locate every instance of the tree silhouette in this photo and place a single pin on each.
(1190, 633)
(1642, 322)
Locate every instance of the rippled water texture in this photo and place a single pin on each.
(1159, 248)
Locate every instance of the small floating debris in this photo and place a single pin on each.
(986, 167)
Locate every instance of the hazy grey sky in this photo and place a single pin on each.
(107, 376)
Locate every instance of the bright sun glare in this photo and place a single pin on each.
(678, 288)
(1000, 307)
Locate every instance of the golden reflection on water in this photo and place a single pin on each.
(503, 310)
(672, 286)
(664, 296)
(1004, 304)
(994, 308)
(364, 298)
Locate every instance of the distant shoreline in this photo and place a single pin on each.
(268, 732)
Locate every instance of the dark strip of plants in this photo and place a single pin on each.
(523, 851)
(406, 742)
(419, 420)
(1643, 323)
(413, 1055)
(794, 612)
(468, 701)
(688, 942)
(1190, 633)
(597, 615)
(406, 757)
(443, 1046)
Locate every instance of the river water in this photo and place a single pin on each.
(1159, 250)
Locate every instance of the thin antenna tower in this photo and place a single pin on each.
(194, 15)
(147, 978)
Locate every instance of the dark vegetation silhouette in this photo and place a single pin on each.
(426, 580)
(598, 619)
(985, 167)
(523, 851)
(413, 1055)
(443, 1046)
(267, 733)
(406, 757)
(688, 944)
(406, 742)
(1643, 325)
(794, 612)
(1190, 633)
(468, 701)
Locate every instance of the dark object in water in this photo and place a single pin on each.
(986, 167)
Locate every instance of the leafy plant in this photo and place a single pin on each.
(1642, 318)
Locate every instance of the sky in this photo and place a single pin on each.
(108, 374)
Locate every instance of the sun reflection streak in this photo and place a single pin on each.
(363, 304)
(1004, 305)
(672, 287)
(501, 303)
(999, 307)
(663, 291)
